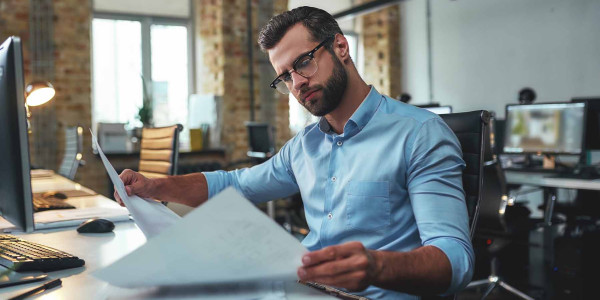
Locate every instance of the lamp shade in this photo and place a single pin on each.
(38, 93)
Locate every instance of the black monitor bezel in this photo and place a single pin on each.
(22, 195)
(583, 131)
(592, 103)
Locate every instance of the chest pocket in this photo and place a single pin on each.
(368, 205)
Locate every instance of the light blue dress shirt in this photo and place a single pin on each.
(392, 181)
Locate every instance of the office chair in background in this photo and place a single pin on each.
(261, 144)
(72, 158)
(159, 153)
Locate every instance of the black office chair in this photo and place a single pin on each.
(471, 128)
(72, 158)
(260, 142)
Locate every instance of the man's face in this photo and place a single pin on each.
(322, 92)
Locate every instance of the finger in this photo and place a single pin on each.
(116, 195)
(353, 281)
(334, 268)
(331, 253)
(127, 176)
(136, 188)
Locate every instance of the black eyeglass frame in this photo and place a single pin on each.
(310, 54)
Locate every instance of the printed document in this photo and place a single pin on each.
(226, 239)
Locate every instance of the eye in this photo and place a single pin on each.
(287, 77)
(303, 62)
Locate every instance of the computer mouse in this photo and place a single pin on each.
(96, 225)
(57, 195)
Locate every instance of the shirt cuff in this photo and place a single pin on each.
(461, 258)
(216, 182)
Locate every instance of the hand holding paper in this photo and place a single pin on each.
(150, 216)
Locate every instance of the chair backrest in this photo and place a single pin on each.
(470, 128)
(73, 148)
(260, 140)
(159, 151)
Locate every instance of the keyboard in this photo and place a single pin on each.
(46, 203)
(22, 255)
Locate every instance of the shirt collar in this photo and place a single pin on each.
(360, 117)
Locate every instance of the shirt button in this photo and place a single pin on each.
(339, 143)
(329, 216)
(333, 178)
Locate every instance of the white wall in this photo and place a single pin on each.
(485, 51)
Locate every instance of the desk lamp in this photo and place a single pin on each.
(37, 93)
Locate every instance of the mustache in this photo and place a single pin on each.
(308, 90)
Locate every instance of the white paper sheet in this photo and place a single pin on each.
(227, 239)
(150, 216)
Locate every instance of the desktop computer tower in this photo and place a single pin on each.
(576, 264)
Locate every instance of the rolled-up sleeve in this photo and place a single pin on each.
(435, 187)
(270, 180)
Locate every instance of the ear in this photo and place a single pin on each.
(341, 48)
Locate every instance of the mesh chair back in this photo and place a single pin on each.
(159, 151)
(470, 128)
(73, 148)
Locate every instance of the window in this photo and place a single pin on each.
(117, 61)
(299, 116)
(128, 51)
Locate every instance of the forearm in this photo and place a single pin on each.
(190, 189)
(423, 271)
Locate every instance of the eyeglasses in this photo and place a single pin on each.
(305, 66)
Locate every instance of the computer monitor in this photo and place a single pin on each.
(447, 109)
(15, 178)
(549, 128)
(592, 127)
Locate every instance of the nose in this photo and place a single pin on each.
(298, 81)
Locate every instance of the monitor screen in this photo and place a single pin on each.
(440, 109)
(15, 178)
(552, 128)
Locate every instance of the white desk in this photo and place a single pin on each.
(544, 179)
(99, 250)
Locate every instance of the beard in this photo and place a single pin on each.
(332, 92)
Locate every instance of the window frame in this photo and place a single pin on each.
(146, 22)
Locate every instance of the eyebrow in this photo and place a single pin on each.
(295, 60)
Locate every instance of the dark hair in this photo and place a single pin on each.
(527, 95)
(319, 23)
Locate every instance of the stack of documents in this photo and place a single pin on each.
(225, 240)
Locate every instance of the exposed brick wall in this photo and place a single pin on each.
(222, 28)
(380, 35)
(72, 61)
(14, 20)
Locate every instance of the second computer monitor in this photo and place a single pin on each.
(551, 128)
